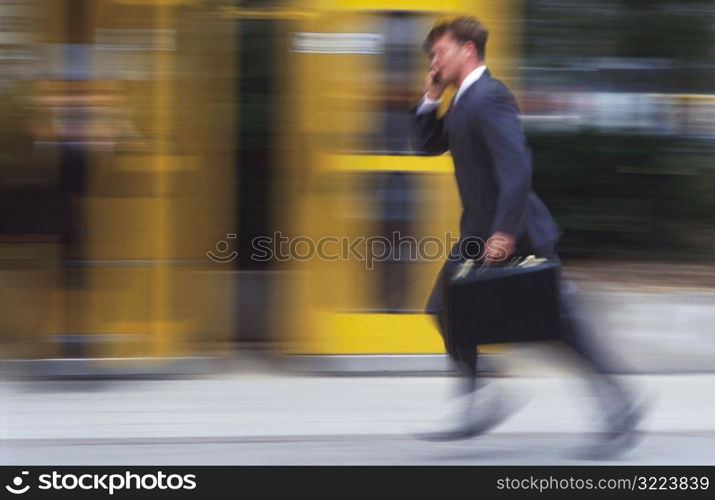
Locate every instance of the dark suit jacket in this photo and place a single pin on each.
(492, 164)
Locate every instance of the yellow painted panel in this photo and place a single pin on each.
(388, 333)
(267, 13)
(413, 5)
(154, 163)
(376, 333)
(160, 3)
(435, 164)
(155, 338)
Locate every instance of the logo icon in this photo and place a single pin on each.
(224, 256)
(17, 483)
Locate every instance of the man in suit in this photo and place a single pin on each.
(483, 132)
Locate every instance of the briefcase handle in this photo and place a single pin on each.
(528, 261)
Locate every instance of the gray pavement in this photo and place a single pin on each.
(656, 332)
(272, 418)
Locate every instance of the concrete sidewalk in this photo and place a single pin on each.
(56, 421)
(664, 332)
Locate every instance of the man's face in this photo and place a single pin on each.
(447, 57)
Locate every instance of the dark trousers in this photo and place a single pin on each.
(574, 330)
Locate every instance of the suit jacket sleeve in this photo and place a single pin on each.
(504, 137)
(428, 133)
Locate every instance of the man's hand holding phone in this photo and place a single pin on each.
(434, 85)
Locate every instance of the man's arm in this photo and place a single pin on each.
(428, 132)
(504, 137)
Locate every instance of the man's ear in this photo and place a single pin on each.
(473, 48)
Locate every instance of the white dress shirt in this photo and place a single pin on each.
(428, 104)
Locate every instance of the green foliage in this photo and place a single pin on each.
(626, 195)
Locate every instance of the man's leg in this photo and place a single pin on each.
(463, 355)
(618, 405)
(576, 332)
(475, 409)
(575, 329)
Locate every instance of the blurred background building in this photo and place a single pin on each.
(146, 144)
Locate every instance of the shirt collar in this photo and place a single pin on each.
(469, 80)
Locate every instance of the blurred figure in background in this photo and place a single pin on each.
(483, 132)
(78, 122)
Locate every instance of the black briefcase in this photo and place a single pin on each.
(490, 305)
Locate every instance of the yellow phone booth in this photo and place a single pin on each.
(381, 217)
